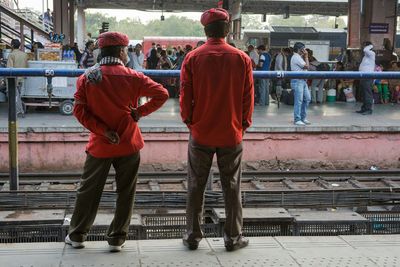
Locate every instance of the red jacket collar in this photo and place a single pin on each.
(214, 41)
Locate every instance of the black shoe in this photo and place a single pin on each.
(191, 244)
(367, 112)
(239, 243)
(360, 111)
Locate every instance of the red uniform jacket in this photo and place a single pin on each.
(105, 106)
(217, 93)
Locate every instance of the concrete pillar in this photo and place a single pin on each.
(61, 18)
(81, 28)
(235, 11)
(366, 13)
(57, 19)
(237, 27)
(22, 36)
(71, 18)
(385, 12)
(354, 24)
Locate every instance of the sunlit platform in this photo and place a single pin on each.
(341, 251)
(336, 130)
(327, 117)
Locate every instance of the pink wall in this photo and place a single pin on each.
(65, 151)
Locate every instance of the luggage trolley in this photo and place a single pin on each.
(35, 92)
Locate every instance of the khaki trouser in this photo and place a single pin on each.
(199, 164)
(20, 90)
(94, 177)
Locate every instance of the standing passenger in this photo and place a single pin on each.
(88, 59)
(264, 63)
(299, 62)
(367, 65)
(103, 101)
(281, 64)
(152, 60)
(316, 97)
(253, 56)
(217, 98)
(18, 59)
(138, 58)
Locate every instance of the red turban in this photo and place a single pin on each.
(214, 14)
(112, 39)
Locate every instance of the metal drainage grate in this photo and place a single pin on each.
(99, 233)
(170, 226)
(30, 233)
(267, 229)
(331, 229)
(327, 223)
(382, 222)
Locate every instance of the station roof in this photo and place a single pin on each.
(275, 7)
(287, 29)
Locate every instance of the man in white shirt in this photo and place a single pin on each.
(299, 62)
(281, 60)
(137, 58)
(281, 64)
(253, 56)
(367, 65)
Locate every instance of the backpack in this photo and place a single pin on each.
(287, 97)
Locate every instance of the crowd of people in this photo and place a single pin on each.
(262, 59)
(300, 58)
(159, 58)
(156, 58)
(384, 91)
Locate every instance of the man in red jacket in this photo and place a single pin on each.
(106, 104)
(216, 100)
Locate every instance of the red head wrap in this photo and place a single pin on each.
(112, 39)
(214, 14)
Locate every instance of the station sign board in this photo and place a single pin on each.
(378, 27)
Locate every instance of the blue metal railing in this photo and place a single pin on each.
(11, 73)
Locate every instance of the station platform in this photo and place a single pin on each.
(326, 251)
(338, 138)
(327, 117)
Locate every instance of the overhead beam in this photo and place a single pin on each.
(249, 6)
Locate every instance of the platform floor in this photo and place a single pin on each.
(341, 251)
(333, 117)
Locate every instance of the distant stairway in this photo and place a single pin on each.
(35, 18)
(33, 25)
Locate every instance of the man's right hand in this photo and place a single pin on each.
(112, 136)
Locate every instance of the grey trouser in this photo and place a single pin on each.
(317, 84)
(94, 177)
(366, 89)
(199, 164)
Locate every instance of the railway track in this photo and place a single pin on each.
(295, 189)
(273, 181)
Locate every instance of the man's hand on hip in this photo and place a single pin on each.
(112, 136)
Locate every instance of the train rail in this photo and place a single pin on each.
(294, 189)
(312, 180)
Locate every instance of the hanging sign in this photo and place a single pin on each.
(378, 27)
